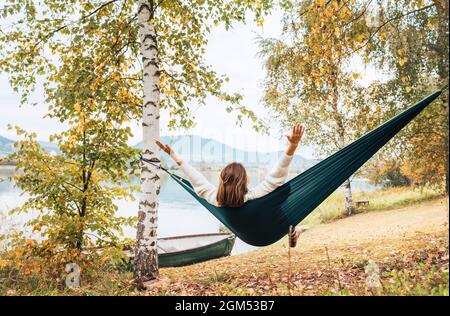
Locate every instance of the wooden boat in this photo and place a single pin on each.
(189, 249)
(184, 250)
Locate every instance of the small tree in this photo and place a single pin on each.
(72, 194)
(387, 173)
(86, 86)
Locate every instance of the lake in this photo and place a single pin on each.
(179, 213)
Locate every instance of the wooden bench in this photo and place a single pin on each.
(362, 203)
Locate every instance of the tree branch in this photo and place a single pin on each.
(389, 21)
(68, 24)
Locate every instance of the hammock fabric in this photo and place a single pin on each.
(264, 221)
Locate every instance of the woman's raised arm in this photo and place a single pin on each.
(278, 175)
(201, 185)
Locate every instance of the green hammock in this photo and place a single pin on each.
(264, 221)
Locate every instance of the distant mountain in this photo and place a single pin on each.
(211, 153)
(203, 152)
(4, 141)
(7, 146)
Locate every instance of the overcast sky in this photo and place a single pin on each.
(232, 52)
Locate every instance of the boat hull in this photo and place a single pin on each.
(219, 246)
(215, 250)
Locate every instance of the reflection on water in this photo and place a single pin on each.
(179, 213)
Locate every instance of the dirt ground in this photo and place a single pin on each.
(424, 218)
(327, 257)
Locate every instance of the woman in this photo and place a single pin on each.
(233, 190)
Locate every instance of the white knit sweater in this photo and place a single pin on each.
(208, 191)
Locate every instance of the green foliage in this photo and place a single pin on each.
(310, 79)
(411, 45)
(87, 54)
(24, 271)
(395, 178)
(89, 85)
(423, 280)
(387, 174)
(72, 194)
(308, 75)
(92, 49)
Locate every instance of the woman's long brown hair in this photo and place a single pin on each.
(232, 186)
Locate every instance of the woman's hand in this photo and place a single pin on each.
(164, 147)
(294, 138)
(296, 135)
(168, 150)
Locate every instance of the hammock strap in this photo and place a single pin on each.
(171, 174)
(153, 163)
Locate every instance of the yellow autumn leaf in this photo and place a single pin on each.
(4, 263)
(115, 76)
(171, 92)
(402, 61)
(79, 128)
(337, 32)
(77, 107)
(124, 93)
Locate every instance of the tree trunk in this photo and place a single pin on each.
(341, 134)
(79, 241)
(446, 142)
(443, 54)
(348, 197)
(146, 256)
(447, 146)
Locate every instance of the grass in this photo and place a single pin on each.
(416, 265)
(333, 207)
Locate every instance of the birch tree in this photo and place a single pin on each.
(149, 53)
(146, 254)
(172, 37)
(309, 78)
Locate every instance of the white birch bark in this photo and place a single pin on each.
(146, 256)
(347, 184)
(348, 197)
